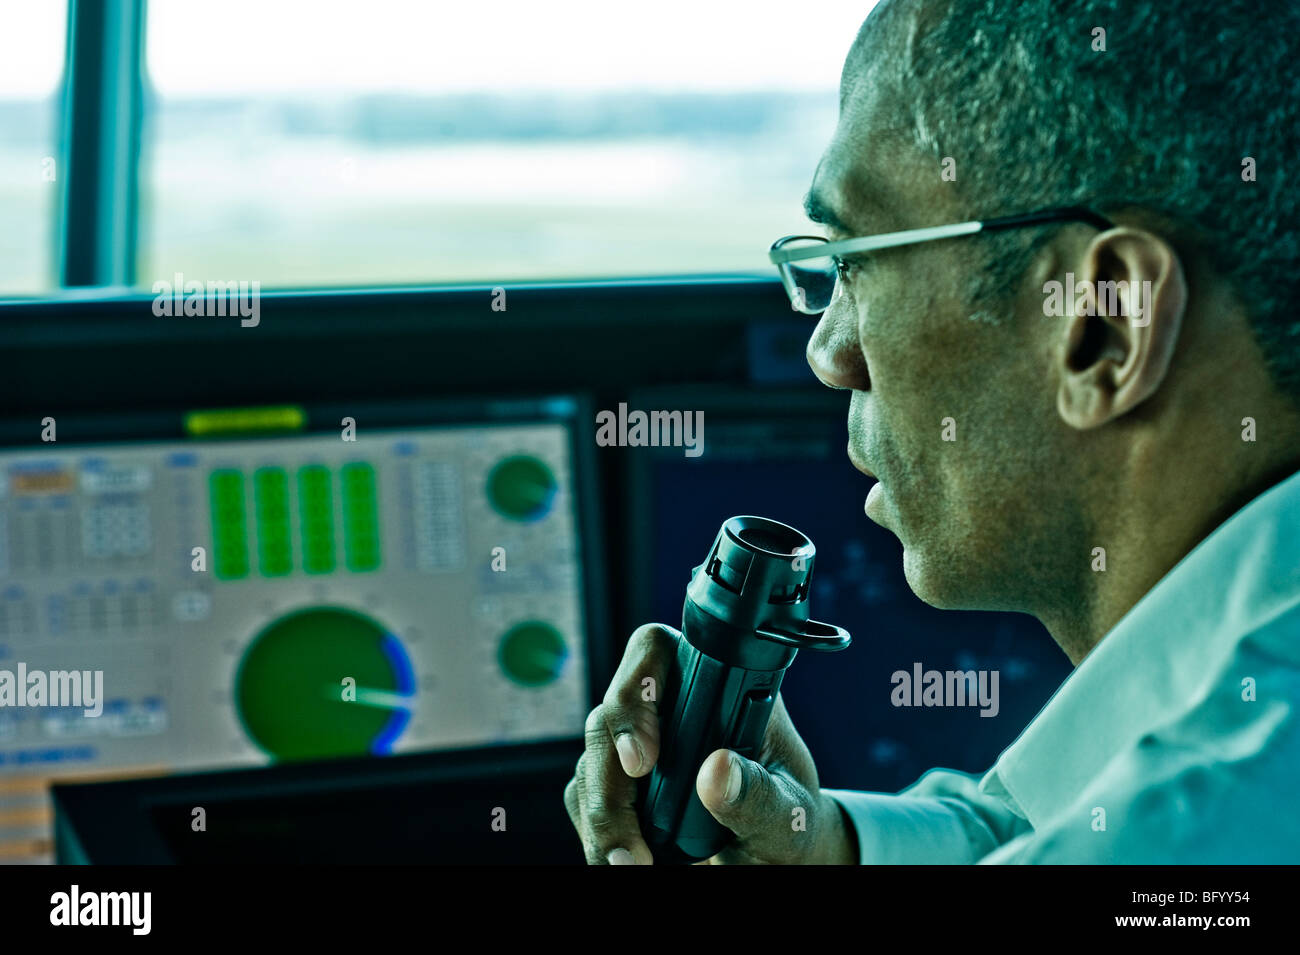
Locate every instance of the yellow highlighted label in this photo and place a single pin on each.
(223, 421)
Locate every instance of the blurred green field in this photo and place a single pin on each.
(329, 211)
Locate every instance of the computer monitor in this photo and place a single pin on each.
(285, 584)
(781, 453)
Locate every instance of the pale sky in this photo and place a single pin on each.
(32, 40)
(221, 47)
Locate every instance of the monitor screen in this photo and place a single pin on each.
(184, 604)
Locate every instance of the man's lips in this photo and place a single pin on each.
(856, 457)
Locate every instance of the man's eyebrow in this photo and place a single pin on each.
(817, 209)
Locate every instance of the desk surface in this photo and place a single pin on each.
(428, 808)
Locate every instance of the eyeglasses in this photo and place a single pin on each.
(812, 283)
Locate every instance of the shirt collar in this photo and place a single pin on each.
(1154, 663)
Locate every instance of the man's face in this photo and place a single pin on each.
(954, 416)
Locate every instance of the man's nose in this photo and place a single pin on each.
(834, 351)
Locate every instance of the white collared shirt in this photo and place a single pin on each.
(1176, 740)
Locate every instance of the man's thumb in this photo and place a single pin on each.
(741, 794)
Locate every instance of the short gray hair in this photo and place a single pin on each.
(1162, 120)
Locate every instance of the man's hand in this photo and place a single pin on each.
(776, 809)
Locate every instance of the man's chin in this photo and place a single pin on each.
(942, 587)
(938, 580)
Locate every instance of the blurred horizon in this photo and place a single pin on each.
(573, 142)
(408, 189)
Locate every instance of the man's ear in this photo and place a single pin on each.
(1121, 327)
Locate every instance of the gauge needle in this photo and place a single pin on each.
(366, 696)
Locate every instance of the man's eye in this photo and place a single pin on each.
(845, 269)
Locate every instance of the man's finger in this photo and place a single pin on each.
(761, 807)
(622, 742)
(631, 705)
(609, 825)
(571, 804)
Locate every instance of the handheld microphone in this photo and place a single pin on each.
(744, 619)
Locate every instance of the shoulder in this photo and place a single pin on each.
(1158, 805)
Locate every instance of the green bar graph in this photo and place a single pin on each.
(316, 518)
(360, 517)
(272, 510)
(229, 524)
(271, 505)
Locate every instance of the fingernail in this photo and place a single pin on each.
(620, 857)
(733, 780)
(629, 752)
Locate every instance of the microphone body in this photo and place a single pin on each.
(745, 617)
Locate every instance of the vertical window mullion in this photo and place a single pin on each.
(101, 117)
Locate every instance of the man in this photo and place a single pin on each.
(1122, 465)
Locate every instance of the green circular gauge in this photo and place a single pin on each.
(532, 653)
(521, 488)
(321, 682)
